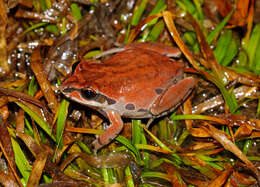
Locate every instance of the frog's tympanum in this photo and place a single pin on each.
(139, 82)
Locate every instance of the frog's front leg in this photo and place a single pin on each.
(172, 96)
(111, 132)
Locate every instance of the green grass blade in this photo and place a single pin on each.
(232, 50)
(130, 146)
(191, 40)
(62, 115)
(76, 11)
(152, 174)
(187, 5)
(229, 98)
(38, 120)
(43, 5)
(32, 88)
(156, 31)
(138, 12)
(129, 177)
(21, 161)
(159, 7)
(35, 26)
(52, 28)
(84, 147)
(257, 60)
(222, 45)
(216, 31)
(137, 131)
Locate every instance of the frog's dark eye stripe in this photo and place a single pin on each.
(88, 94)
(68, 90)
(73, 67)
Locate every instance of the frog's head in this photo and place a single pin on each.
(78, 87)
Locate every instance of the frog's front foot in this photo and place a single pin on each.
(111, 132)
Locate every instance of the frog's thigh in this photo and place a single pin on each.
(111, 132)
(173, 95)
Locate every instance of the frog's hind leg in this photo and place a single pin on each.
(111, 132)
(172, 96)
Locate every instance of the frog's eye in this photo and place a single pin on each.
(88, 94)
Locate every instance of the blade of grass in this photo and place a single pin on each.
(138, 12)
(152, 174)
(21, 161)
(252, 45)
(136, 131)
(218, 28)
(35, 26)
(257, 60)
(157, 163)
(38, 120)
(187, 5)
(52, 28)
(232, 50)
(222, 45)
(130, 146)
(62, 115)
(129, 177)
(76, 11)
(156, 31)
(191, 40)
(200, 117)
(163, 146)
(32, 88)
(158, 8)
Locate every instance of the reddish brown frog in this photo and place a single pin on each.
(139, 82)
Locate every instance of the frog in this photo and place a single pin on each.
(140, 81)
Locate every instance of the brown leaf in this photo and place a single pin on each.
(220, 180)
(4, 67)
(20, 121)
(7, 149)
(243, 131)
(134, 32)
(207, 52)
(222, 138)
(31, 144)
(239, 17)
(37, 169)
(7, 181)
(22, 13)
(4, 112)
(174, 173)
(27, 3)
(42, 79)
(198, 132)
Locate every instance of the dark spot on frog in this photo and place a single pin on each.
(174, 81)
(158, 90)
(142, 110)
(68, 90)
(130, 106)
(110, 101)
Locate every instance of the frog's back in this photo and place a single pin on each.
(133, 75)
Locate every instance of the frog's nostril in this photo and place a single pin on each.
(68, 90)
